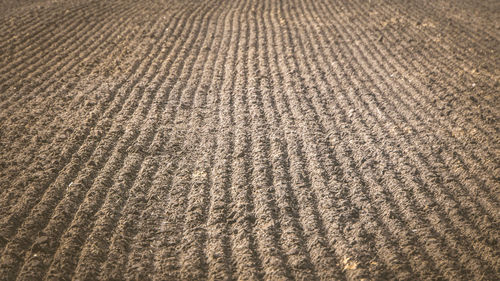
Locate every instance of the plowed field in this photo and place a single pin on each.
(249, 140)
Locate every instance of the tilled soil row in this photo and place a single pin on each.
(277, 140)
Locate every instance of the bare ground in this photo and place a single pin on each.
(277, 140)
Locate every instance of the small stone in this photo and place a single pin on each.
(41, 240)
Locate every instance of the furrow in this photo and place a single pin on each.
(246, 256)
(361, 182)
(452, 130)
(452, 160)
(267, 225)
(249, 140)
(421, 145)
(32, 31)
(470, 139)
(125, 232)
(479, 182)
(56, 134)
(194, 261)
(191, 176)
(65, 257)
(405, 121)
(46, 113)
(40, 92)
(292, 241)
(94, 164)
(23, 63)
(44, 16)
(38, 69)
(338, 205)
(91, 254)
(336, 134)
(438, 60)
(465, 41)
(180, 106)
(378, 231)
(219, 222)
(183, 105)
(81, 133)
(323, 257)
(167, 147)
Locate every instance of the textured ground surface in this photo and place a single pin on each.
(333, 140)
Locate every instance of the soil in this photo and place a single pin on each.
(276, 140)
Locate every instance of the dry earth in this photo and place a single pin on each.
(244, 139)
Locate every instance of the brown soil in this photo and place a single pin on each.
(307, 140)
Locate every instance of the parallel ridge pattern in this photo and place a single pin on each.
(308, 140)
